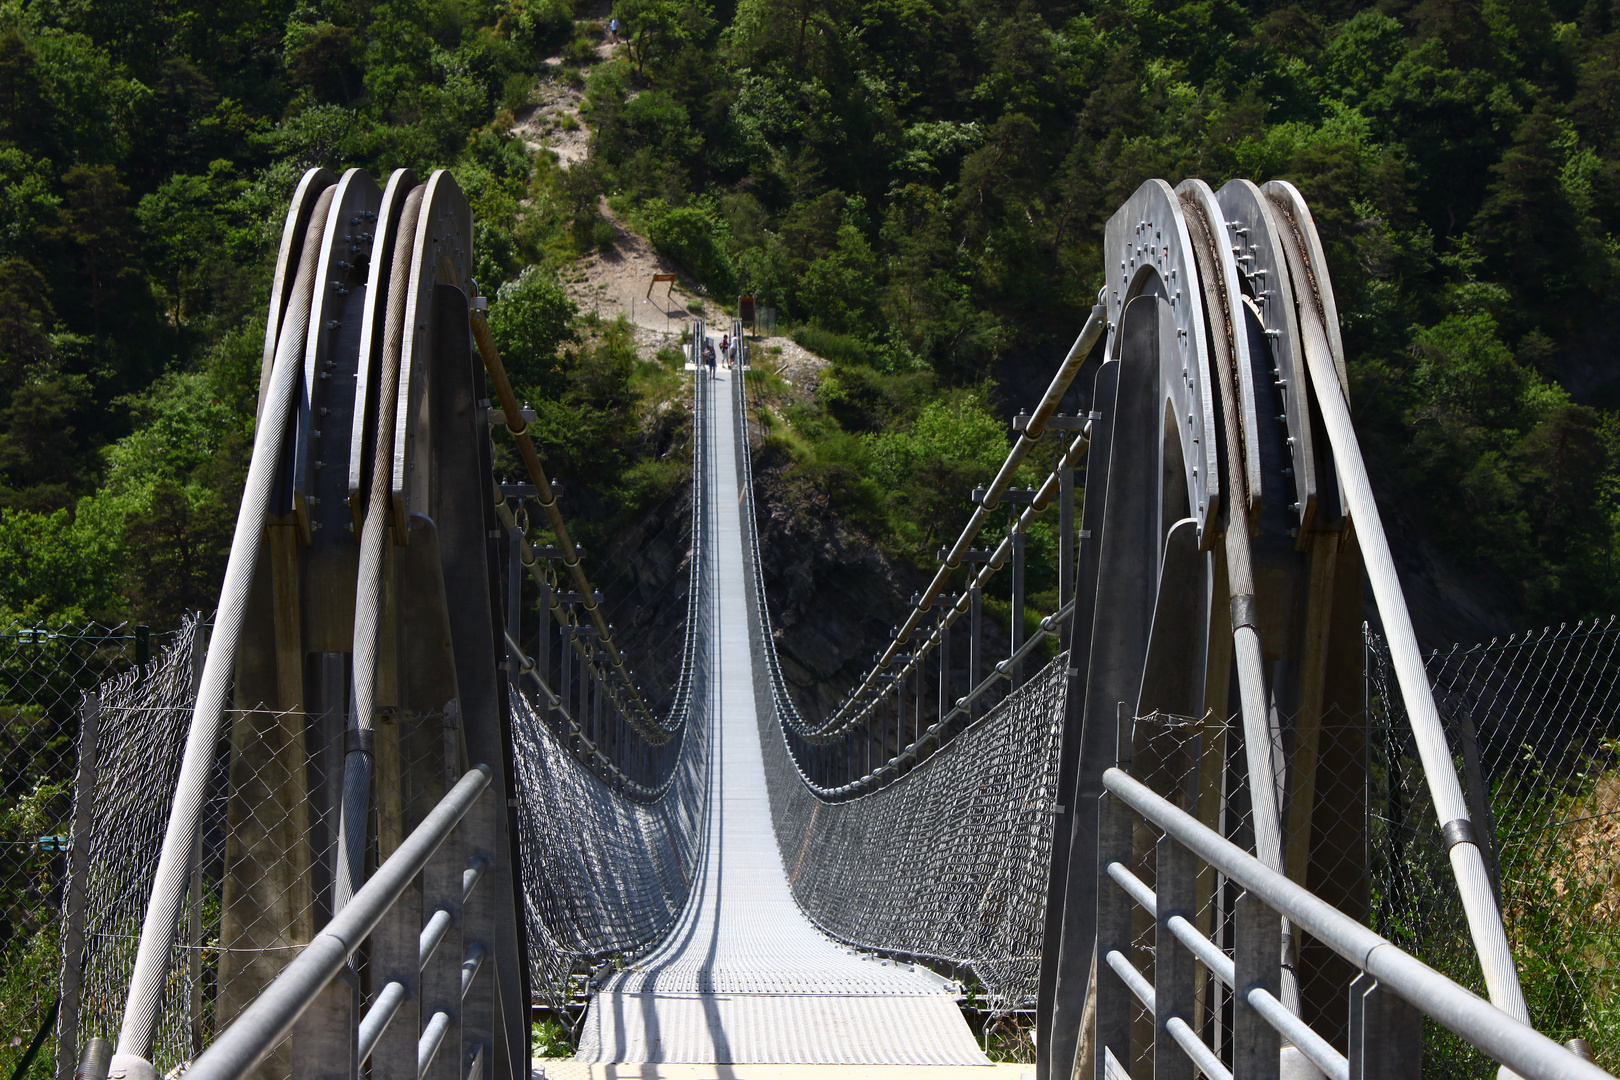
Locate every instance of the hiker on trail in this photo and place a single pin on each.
(613, 28)
(708, 357)
(725, 348)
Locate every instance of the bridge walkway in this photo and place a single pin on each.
(744, 977)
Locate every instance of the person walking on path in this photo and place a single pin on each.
(708, 356)
(613, 28)
(725, 349)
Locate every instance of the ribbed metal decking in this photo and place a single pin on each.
(744, 977)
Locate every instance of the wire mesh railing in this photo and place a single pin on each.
(1533, 724)
(261, 876)
(609, 826)
(947, 864)
(44, 673)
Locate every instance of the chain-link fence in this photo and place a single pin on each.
(1203, 765)
(1196, 763)
(261, 874)
(44, 672)
(1534, 727)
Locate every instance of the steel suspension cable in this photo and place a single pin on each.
(358, 756)
(1089, 335)
(639, 715)
(170, 881)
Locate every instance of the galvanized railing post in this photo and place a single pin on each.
(920, 685)
(944, 671)
(1017, 602)
(1066, 562)
(325, 1037)
(439, 1042)
(1386, 1034)
(396, 958)
(975, 643)
(514, 598)
(1111, 998)
(1256, 964)
(477, 960)
(542, 646)
(323, 1040)
(1175, 875)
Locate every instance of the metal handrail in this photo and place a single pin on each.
(262, 1025)
(1500, 1035)
(1333, 1064)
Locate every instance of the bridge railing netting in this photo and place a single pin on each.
(945, 862)
(609, 847)
(44, 671)
(1533, 723)
(604, 876)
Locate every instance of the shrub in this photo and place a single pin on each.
(694, 238)
(843, 349)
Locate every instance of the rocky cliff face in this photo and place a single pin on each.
(647, 569)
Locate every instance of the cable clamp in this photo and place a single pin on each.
(1459, 831)
(364, 740)
(1243, 612)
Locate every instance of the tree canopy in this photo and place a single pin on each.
(919, 186)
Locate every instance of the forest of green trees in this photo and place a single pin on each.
(919, 185)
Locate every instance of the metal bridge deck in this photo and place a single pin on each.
(744, 977)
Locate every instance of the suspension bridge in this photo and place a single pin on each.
(376, 812)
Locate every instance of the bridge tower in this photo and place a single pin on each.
(358, 638)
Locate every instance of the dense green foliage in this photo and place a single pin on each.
(926, 182)
(146, 156)
(919, 186)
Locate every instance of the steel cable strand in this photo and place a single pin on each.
(1260, 735)
(674, 717)
(937, 734)
(1467, 861)
(357, 758)
(1089, 335)
(640, 717)
(838, 727)
(681, 708)
(145, 988)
